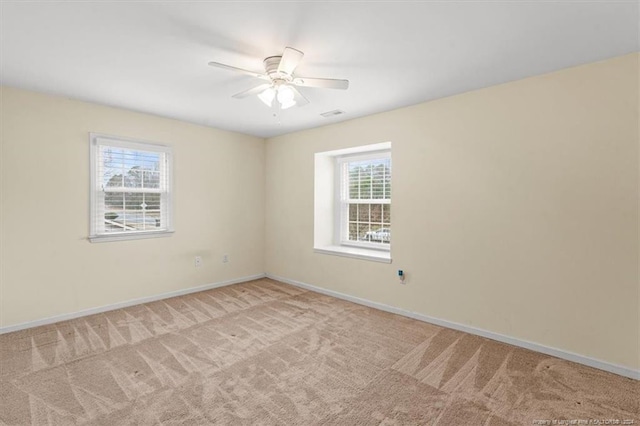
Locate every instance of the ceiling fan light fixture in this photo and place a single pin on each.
(285, 93)
(281, 81)
(267, 96)
(285, 97)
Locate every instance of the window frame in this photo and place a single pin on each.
(96, 234)
(341, 219)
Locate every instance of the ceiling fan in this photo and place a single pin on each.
(280, 87)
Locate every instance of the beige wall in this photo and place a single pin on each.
(47, 265)
(515, 209)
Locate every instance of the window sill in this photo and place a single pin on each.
(129, 236)
(356, 253)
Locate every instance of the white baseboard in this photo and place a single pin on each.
(127, 303)
(559, 353)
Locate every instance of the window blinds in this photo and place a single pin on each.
(131, 187)
(366, 199)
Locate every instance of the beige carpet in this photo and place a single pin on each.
(268, 353)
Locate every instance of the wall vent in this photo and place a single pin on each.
(332, 113)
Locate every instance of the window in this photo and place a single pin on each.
(365, 200)
(352, 202)
(130, 189)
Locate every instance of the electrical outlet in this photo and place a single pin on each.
(198, 261)
(225, 258)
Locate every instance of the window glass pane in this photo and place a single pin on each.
(386, 213)
(363, 212)
(363, 228)
(376, 213)
(135, 164)
(354, 189)
(369, 180)
(152, 200)
(150, 161)
(365, 182)
(377, 190)
(122, 205)
(133, 178)
(110, 167)
(379, 233)
(114, 181)
(151, 179)
(372, 223)
(134, 219)
(133, 201)
(353, 231)
(387, 184)
(153, 220)
(113, 221)
(353, 212)
(377, 180)
(113, 200)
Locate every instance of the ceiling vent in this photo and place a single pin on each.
(332, 113)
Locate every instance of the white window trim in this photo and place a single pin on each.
(341, 228)
(326, 232)
(96, 139)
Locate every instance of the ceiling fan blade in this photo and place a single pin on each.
(243, 71)
(299, 97)
(324, 83)
(290, 60)
(252, 91)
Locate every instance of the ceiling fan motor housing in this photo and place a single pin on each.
(271, 65)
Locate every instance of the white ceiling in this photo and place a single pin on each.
(152, 56)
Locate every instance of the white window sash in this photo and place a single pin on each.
(120, 189)
(366, 201)
(343, 201)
